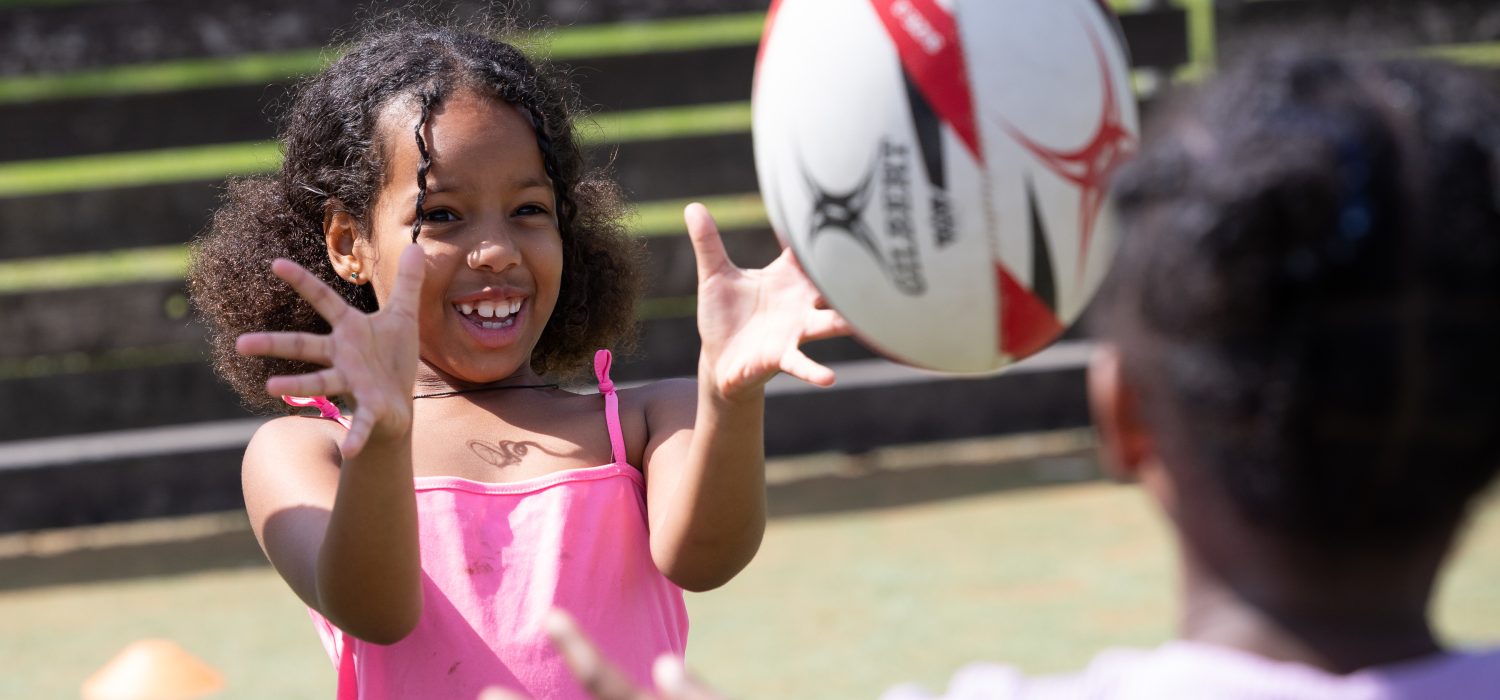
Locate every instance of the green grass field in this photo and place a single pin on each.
(837, 605)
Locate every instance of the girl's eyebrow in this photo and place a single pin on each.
(524, 182)
(529, 181)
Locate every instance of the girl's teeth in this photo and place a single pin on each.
(490, 309)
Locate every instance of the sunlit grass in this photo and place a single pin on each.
(1042, 578)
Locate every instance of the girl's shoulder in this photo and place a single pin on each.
(652, 413)
(309, 436)
(294, 427)
(665, 394)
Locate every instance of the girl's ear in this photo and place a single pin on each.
(341, 234)
(1125, 444)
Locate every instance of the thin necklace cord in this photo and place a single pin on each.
(455, 392)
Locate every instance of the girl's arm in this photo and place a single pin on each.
(705, 458)
(338, 521)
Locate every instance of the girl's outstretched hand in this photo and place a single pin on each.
(752, 322)
(602, 680)
(371, 357)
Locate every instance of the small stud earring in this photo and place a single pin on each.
(354, 277)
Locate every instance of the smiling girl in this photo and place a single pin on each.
(444, 258)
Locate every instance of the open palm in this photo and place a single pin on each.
(753, 322)
(369, 357)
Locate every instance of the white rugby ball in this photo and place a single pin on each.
(939, 166)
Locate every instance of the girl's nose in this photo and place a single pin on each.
(495, 252)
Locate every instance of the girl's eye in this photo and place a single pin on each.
(531, 210)
(439, 216)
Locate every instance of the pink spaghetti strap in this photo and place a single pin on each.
(326, 409)
(602, 360)
(348, 683)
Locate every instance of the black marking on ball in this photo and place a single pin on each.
(843, 211)
(1042, 280)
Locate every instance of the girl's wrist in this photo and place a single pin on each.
(725, 393)
(391, 436)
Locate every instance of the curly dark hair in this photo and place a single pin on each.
(333, 151)
(1307, 292)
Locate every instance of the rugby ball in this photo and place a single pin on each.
(939, 167)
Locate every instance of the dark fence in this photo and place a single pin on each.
(107, 409)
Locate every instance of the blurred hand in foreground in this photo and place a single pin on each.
(605, 682)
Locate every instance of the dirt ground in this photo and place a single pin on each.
(873, 572)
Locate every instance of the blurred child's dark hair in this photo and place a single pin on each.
(1307, 292)
(334, 151)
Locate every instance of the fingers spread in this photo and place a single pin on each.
(307, 347)
(823, 324)
(324, 300)
(498, 694)
(802, 367)
(602, 680)
(328, 382)
(675, 683)
(708, 246)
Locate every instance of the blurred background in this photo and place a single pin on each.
(919, 522)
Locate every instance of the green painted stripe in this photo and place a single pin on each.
(667, 122)
(1485, 55)
(37, 177)
(659, 36)
(101, 361)
(1202, 41)
(589, 41)
(94, 269)
(167, 76)
(734, 212)
(658, 218)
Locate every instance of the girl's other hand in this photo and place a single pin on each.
(753, 322)
(602, 680)
(370, 357)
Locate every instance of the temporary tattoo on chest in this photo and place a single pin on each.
(504, 453)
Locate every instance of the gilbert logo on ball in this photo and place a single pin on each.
(939, 166)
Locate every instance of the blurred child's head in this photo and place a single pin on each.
(1306, 300)
(468, 131)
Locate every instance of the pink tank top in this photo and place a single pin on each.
(497, 557)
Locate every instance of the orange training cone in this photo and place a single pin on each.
(153, 669)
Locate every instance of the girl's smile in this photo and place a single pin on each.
(492, 315)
